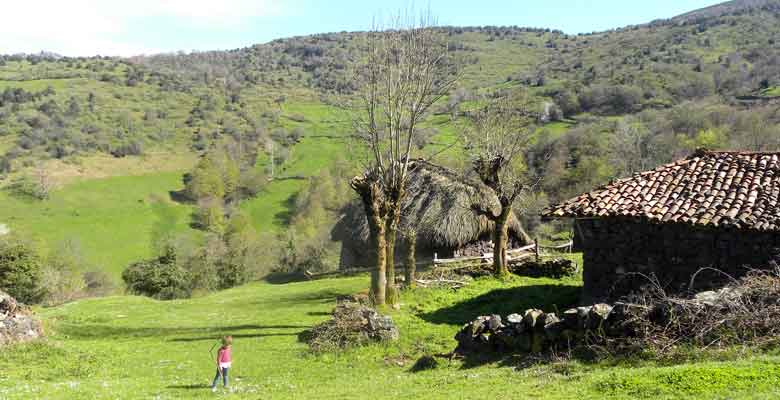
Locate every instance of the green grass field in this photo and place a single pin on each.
(133, 347)
(114, 221)
(117, 219)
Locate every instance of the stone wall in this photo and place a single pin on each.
(616, 251)
(534, 331)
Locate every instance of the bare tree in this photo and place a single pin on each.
(44, 183)
(495, 142)
(406, 70)
(631, 144)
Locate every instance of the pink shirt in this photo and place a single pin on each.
(223, 356)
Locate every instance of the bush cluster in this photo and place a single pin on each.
(56, 278)
(161, 278)
(20, 271)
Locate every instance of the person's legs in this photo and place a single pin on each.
(225, 376)
(216, 379)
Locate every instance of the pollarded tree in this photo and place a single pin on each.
(406, 69)
(495, 143)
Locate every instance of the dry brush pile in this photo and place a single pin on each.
(353, 323)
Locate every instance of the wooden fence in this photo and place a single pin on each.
(532, 250)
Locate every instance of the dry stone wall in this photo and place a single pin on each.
(619, 254)
(535, 331)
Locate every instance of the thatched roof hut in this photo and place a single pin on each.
(438, 206)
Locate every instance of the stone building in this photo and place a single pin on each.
(691, 224)
(439, 207)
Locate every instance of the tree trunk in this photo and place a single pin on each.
(372, 197)
(379, 249)
(411, 260)
(500, 239)
(392, 233)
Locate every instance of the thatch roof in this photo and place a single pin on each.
(438, 205)
(717, 189)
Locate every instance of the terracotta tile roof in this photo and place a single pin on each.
(721, 189)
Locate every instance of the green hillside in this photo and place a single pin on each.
(133, 347)
(114, 136)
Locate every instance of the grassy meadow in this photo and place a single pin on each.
(114, 221)
(135, 347)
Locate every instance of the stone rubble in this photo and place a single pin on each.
(17, 323)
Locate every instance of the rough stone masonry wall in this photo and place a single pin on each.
(535, 331)
(615, 250)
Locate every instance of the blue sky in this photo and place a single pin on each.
(113, 27)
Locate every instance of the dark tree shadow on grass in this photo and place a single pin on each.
(318, 313)
(235, 336)
(91, 331)
(324, 295)
(180, 196)
(283, 278)
(548, 298)
(283, 218)
(196, 386)
(552, 357)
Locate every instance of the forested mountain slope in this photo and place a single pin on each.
(104, 141)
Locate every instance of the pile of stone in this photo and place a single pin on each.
(353, 324)
(17, 323)
(372, 325)
(535, 331)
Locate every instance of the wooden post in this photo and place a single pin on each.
(536, 249)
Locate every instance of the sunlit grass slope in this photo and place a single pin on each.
(132, 347)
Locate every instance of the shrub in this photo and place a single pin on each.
(161, 278)
(210, 216)
(20, 271)
(252, 182)
(232, 273)
(612, 100)
(205, 181)
(60, 283)
(62, 280)
(98, 283)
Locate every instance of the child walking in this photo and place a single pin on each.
(224, 360)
